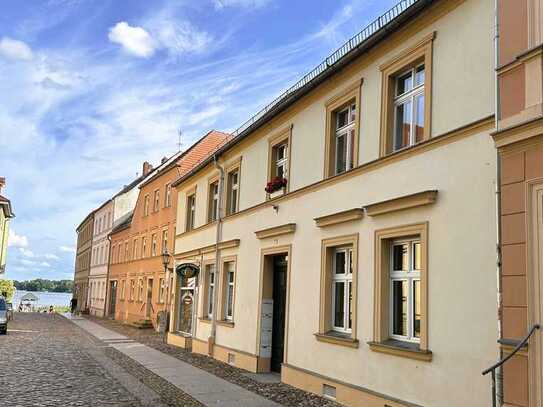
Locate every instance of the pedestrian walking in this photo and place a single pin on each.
(73, 305)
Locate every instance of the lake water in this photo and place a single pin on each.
(44, 298)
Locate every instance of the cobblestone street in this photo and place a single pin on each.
(48, 361)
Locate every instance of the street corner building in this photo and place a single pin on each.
(6, 214)
(139, 284)
(374, 235)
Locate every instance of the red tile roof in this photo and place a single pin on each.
(202, 149)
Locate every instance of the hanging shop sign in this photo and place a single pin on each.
(187, 270)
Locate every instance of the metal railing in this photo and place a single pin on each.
(492, 369)
(329, 62)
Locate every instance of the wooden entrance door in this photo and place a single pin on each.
(279, 304)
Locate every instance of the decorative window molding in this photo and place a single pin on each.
(213, 199)
(401, 203)
(190, 208)
(349, 215)
(327, 320)
(168, 195)
(233, 181)
(227, 244)
(276, 231)
(279, 157)
(347, 98)
(382, 340)
(420, 54)
(227, 289)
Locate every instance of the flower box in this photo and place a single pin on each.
(276, 187)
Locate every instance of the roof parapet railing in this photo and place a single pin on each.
(492, 369)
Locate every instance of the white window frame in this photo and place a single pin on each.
(191, 211)
(162, 290)
(164, 239)
(347, 279)
(281, 162)
(211, 289)
(146, 202)
(143, 246)
(156, 201)
(214, 191)
(410, 276)
(408, 96)
(168, 195)
(229, 300)
(153, 245)
(345, 131)
(234, 189)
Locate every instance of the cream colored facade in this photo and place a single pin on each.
(444, 186)
(6, 214)
(103, 222)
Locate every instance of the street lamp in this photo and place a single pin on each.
(166, 314)
(165, 259)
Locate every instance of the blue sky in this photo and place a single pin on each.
(89, 89)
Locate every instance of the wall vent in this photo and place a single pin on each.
(329, 391)
(231, 359)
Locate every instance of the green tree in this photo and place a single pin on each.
(7, 289)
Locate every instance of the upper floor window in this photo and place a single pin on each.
(279, 155)
(168, 195)
(164, 240)
(135, 249)
(233, 191)
(126, 251)
(146, 205)
(153, 245)
(406, 97)
(191, 211)
(156, 204)
(213, 209)
(143, 246)
(409, 108)
(344, 138)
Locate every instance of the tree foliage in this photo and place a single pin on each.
(7, 289)
(39, 284)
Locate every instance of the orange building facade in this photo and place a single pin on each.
(138, 282)
(519, 139)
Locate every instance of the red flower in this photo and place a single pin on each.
(275, 184)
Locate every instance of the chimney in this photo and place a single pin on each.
(147, 168)
(2, 183)
(164, 159)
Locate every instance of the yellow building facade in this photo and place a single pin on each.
(345, 238)
(6, 214)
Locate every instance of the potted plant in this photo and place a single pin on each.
(276, 187)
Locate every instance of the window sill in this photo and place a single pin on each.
(226, 323)
(337, 339)
(204, 319)
(402, 349)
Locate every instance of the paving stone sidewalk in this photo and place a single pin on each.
(206, 388)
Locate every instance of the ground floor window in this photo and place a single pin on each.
(210, 290)
(186, 303)
(342, 282)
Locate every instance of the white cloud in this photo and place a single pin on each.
(44, 264)
(180, 37)
(210, 114)
(67, 249)
(26, 252)
(220, 4)
(15, 49)
(51, 256)
(134, 40)
(15, 240)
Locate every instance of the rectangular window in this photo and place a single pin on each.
(228, 311)
(146, 205)
(168, 196)
(210, 269)
(191, 211)
(135, 249)
(156, 204)
(140, 290)
(406, 94)
(153, 245)
(161, 292)
(401, 291)
(233, 191)
(132, 289)
(409, 108)
(342, 277)
(279, 156)
(338, 299)
(405, 290)
(126, 251)
(213, 209)
(123, 282)
(164, 241)
(143, 247)
(345, 124)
